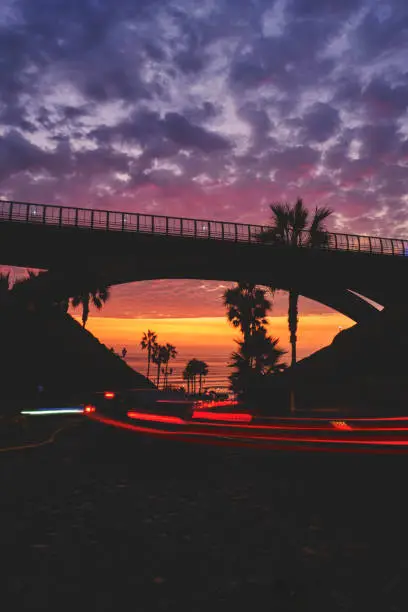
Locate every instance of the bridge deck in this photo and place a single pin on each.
(95, 219)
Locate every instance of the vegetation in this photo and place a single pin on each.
(257, 356)
(39, 297)
(291, 227)
(97, 296)
(170, 352)
(195, 368)
(160, 355)
(148, 343)
(247, 306)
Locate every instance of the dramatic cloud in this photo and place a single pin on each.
(208, 108)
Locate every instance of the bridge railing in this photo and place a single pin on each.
(95, 219)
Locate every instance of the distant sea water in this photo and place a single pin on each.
(217, 362)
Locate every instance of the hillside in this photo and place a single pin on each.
(365, 367)
(378, 347)
(50, 348)
(362, 372)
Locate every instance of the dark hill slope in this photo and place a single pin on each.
(366, 366)
(52, 349)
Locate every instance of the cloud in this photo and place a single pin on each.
(207, 108)
(181, 131)
(382, 30)
(320, 123)
(385, 101)
(18, 155)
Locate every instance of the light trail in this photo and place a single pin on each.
(158, 418)
(223, 416)
(290, 443)
(288, 418)
(242, 421)
(45, 411)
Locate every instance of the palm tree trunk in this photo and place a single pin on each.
(166, 376)
(293, 323)
(85, 311)
(148, 362)
(158, 374)
(200, 383)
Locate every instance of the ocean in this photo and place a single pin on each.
(217, 362)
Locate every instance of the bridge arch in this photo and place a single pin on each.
(73, 242)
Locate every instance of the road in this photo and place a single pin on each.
(370, 435)
(104, 516)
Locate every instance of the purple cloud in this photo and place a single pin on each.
(212, 109)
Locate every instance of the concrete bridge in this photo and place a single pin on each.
(119, 247)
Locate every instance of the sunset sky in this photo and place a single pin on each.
(209, 335)
(207, 108)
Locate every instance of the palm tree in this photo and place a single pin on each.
(170, 353)
(194, 368)
(247, 306)
(187, 377)
(189, 374)
(148, 342)
(256, 358)
(202, 371)
(159, 356)
(290, 228)
(97, 296)
(257, 355)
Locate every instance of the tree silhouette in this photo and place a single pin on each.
(188, 376)
(202, 372)
(148, 343)
(290, 227)
(195, 368)
(257, 355)
(159, 356)
(247, 306)
(169, 353)
(97, 296)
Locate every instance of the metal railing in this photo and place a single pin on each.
(95, 219)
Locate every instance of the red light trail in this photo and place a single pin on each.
(158, 418)
(243, 434)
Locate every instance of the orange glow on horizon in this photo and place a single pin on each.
(214, 333)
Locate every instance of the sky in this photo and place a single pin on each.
(209, 338)
(207, 108)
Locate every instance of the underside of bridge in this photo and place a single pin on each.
(74, 256)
